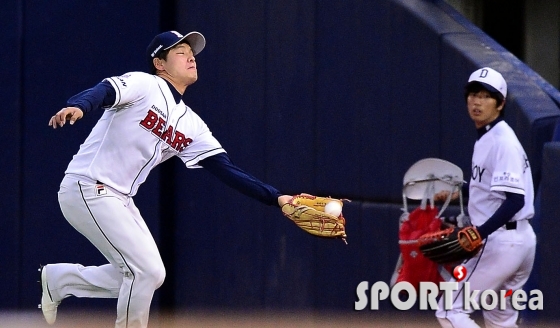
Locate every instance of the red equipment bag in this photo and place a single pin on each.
(415, 267)
(422, 181)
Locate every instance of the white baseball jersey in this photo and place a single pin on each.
(499, 164)
(144, 127)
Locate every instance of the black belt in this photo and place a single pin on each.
(511, 225)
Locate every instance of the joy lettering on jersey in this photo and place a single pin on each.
(156, 125)
(477, 172)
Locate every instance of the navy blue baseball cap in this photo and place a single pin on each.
(169, 39)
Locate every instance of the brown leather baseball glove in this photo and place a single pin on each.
(450, 245)
(308, 212)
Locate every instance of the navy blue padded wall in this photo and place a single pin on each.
(291, 94)
(379, 248)
(221, 241)
(415, 123)
(352, 98)
(10, 161)
(287, 133)
(547, 239)
(64, 54)
(223, 263)
(333, 260)
(535, 125)
(556, 134)
(292, 112)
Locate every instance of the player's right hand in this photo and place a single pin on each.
(68, 113)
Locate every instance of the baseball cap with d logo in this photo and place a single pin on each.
(167, 40)
(490, 79)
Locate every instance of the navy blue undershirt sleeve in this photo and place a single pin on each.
(511, 205)
(101, 95)
(222, 167)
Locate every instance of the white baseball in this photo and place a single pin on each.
(333, 208)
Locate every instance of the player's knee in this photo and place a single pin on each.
(152, 275)
(160, 276)
(157, 275)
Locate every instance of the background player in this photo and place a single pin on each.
(500, 204)
(145, 122)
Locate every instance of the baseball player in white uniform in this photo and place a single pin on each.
(144, 123)
(500, 206)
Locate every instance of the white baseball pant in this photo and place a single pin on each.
(111, 222)
(504, 263)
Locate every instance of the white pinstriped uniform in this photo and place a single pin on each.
(143, 128)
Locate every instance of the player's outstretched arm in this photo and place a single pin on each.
(68, 113)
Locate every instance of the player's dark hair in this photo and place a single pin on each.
(475, 87)
(163, 55)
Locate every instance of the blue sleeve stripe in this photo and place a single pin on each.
(223, 168)
(101, 95)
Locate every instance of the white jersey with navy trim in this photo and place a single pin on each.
(499, 164)
(144, 127)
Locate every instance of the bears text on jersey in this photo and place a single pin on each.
(156, 124)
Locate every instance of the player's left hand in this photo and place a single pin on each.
(450, 245)
(68, 113)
